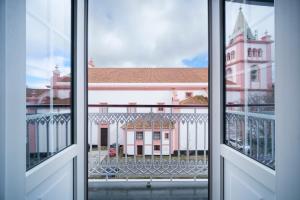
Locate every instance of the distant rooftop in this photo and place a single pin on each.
(147, 75)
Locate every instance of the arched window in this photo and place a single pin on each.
(232, 55)
(249, 52)
(229, 74)
(259, 52)
(254, 73)
(228, 56)
(254, 52)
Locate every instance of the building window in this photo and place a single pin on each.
(188, 94)
(254, 52)
(229, 74)
(232, 55)
(139, 135)
(249, 52)
(156, 147)
(259, 52)
(166, 136)
(254, 74)
(156, 135)
(132, 108)
(228, 56)
(103, 108)
(160, 109)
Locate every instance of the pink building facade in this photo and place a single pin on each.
(248, 64)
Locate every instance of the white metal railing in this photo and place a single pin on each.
(46, 134)
(180, 151)
(257, 139)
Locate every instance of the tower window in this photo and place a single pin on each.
(232, 55)
(228, 56)
(259, 52)
(229, 74)
(254, 52)
(249, 52)
(254, 74)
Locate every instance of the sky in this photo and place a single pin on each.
(132, 33)
(48, 31)
(259, 18)
(148, 33)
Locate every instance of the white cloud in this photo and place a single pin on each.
(146, 33)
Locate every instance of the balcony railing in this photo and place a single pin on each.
(258, 141)
(179, 151)
(47, 134)
(151, 143)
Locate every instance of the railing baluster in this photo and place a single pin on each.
(117, 142)
(91, 136)
(27, 145)
(152, 134)
(170, 142)
(108, 164)
(161, 135)
(67, 135)
(257, 139)
(205, 142)
(134, 141)
(38, 141)
(178, 141)
(196, 137)
(187, 141)
(236, 133)
(152, 143)
(265, 138)
(250, 132)
(273, 139)
(126, 151)
(98, 141)
(170, 138)
(57, 140)
(48, 136)
(144, 135)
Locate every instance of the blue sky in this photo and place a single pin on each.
(199, 61)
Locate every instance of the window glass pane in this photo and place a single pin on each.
(48, 78)
(250, 80)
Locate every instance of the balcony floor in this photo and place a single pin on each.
(137, 190)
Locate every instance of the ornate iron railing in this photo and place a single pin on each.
(257, 140)
(47, 133)
(180, 151)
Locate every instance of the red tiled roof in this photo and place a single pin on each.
(146, 124)
(195, 100)
(65, 79)
(148, 75)
(30, 92)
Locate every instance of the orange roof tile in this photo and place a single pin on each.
(148, 75)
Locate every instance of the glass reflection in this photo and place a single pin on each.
(48, 78)
(250, 80)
